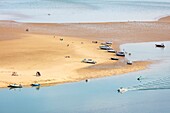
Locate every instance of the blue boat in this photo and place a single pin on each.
(35, 84)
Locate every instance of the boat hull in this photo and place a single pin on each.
(35, 85)
(114, 58)
(15, 86)
(120, 54)
(157, 45)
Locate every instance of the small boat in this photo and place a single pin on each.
(129, 62)
(105, 47)
(111, 51)
(120, 54)
(139, 78)
(35, 84)
(109, 42)
(122, 90)
(114, 58)
(160, 45)
(15, 86)
(86, 80)
(89, 61)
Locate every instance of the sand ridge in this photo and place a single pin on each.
(40, 49)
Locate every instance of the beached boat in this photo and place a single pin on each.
(105, 47)
(35, 84)
(15, 86)
(120, 53)
(160, 45)
(89, 61)
(122, 90)
(129, 62)
(109, 42)
(114, 58)
(111, 51)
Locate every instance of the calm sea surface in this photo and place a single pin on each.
(64, 11)
(150, 95)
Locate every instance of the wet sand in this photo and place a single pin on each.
(40, 49)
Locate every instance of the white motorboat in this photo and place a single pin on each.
(89, 61)
(105, 47)
(122, 90)
(129, 62)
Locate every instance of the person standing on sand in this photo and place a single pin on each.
(38, 73)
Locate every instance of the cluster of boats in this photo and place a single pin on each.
(20, 86)
(106, 46)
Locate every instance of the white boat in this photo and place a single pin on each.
(122, 90)
(15, 86)
(120, 54)
(129, 62)
(109, 42)
(89, 61)
(105, 47)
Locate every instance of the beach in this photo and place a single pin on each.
(40, 48)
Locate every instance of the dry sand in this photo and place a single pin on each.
(40, 49)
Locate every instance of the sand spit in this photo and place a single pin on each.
(56, 50)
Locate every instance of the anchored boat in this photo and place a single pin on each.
(160, 45)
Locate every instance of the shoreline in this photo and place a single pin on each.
(156, 19)
(25, 48)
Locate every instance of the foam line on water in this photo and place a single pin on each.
(162, 83)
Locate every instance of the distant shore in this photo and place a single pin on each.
(26, 48)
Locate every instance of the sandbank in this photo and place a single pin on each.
(40, 49)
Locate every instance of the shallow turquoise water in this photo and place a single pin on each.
(63, 11)
(99, 95)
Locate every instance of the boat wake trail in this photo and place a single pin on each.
(163, 83)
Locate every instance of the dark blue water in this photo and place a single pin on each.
(100, 95)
